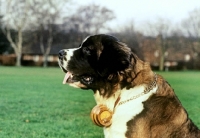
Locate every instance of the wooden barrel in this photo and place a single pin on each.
(101, 116)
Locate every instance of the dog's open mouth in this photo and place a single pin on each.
(71, 78)
(68, 78)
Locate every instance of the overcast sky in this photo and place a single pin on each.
(141, 11)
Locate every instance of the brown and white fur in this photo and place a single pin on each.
(118, 78)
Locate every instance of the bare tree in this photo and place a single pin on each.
(15, 17)
(47, 14)
(160, 29)
(28, 14)
(92, 18)
(191, 26)
(130, 36)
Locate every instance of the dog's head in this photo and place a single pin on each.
(98, 64)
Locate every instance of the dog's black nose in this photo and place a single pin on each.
(62, 53)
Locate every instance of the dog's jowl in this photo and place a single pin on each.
(132, 101)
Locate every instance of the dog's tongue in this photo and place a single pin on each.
(67, 75)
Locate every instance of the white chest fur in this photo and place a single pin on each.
(124, 112)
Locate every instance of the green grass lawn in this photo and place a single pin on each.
(35, 104)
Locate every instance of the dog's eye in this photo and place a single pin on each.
(86, 50)
(87, 79)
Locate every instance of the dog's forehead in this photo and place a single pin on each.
(86, 38)
(90, 42)
(87, 41)
(97, 39)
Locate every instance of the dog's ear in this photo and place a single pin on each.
(114, 57)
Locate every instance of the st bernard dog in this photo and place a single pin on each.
(142, 103)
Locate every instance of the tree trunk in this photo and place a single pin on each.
(45, 62)
(49, 44)
(19, 47)
(18, 59)
(16, 46)
(161, 65)
(161, 45)
(18, 24)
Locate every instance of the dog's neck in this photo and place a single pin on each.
(116, 100)
(147, 90)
